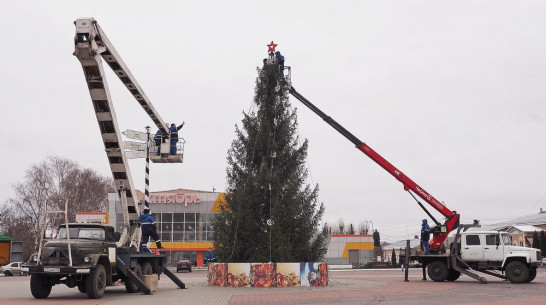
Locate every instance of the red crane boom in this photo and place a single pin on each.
(440, 231)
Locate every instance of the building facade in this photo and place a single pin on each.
(183, 219)
(349, 249)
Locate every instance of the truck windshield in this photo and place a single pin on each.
(82, 232)
(506, 239)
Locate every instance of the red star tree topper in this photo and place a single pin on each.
(271, 47)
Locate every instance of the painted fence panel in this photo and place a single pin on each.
(265, 275)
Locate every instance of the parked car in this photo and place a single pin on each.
(13, 268)
(183, 264)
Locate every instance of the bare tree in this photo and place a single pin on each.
(363, 228)
(328, 228)
(351, 229)
(51, 183)
(20, 229)
(341, 226)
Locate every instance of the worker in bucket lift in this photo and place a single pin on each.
(148, 226)
(280, 62)
(425, 236)
(174, 136)
(157, 141)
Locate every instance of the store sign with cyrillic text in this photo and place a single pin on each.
(180, 198)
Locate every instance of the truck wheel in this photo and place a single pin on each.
(40, 286)
(8, 273)
(437, 271)
(453, 275)
(129, 285)
(517, 272)
(532, 274)
(96, 282)
(147, 268)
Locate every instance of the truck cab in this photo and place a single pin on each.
(488, 252)
(495, 250)
(88, 242)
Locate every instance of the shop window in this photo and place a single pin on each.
(189, 232)
(178, 236)
(200, 226)
(201, 236)
(209, 236)
(178, 217)
(189, 237)
(178, 226)
(190, 217)
(166, 237)
(189, 227)
(166, 217)
(166, 227)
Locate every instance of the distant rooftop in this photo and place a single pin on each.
(524, 228)
(402, 244)
(532, 220)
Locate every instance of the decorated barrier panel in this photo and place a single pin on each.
(265, 275)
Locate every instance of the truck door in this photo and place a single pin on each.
(472, 248)
(493, 250)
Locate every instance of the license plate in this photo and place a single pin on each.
(52, 269)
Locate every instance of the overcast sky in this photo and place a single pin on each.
(450, 92)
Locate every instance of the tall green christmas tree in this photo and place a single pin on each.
(271, 213)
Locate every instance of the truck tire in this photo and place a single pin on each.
(96, 282)
(532, 274)
(517, 272)
(147, 268)
(453, 275)
(40, 286)
(437, 271)
(8, 273)
(129, 285)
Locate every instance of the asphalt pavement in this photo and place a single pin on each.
(346, 287)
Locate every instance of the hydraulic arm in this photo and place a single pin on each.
(441, 231)
(91, 47)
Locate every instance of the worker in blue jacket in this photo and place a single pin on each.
(280, 62)
(210, 257)
(157, 141)
(425, 236)
(174, 136)
(148, 227)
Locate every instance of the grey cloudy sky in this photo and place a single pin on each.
(450, 92)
